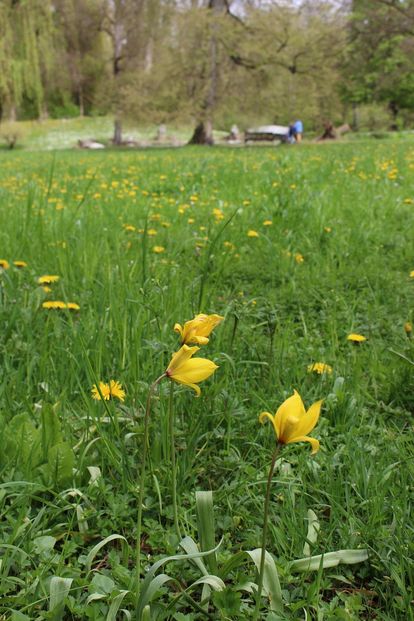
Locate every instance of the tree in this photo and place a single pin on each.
(26, 55)
(78, 23)
(123, 22)
(378, 63)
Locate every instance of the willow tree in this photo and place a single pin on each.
(26, 55)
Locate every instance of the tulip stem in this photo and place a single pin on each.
(173, 460)
(264, 532)
(142, 481)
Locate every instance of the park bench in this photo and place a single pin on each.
(267, 133)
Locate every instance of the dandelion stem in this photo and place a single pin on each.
(142, 480)
(173, 461)
(264, 532)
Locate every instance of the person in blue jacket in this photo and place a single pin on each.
(295, 132)
(298, 130)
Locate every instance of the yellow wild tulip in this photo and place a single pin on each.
(189, 371)
(292, 422)
(198, 329)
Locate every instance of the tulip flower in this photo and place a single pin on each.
(292, 422)
(198, 329)
(189, 371)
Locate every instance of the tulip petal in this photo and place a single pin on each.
(200, 340)
(312, 441)
(269, 416)
(193, 386)
(194, 371)
(309, 420)
(181, 357)
(291, 408)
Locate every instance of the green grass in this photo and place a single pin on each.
(341, 208)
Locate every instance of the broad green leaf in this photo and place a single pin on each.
(189, 545)
(271, 584)
(115, 606)
(101, 584)
(61, 461)
(50, 430)
(313, 531)
(206, 528)
(44, 544)
(59, 590)
(143, 598)
(91, 555)
(214, 582)
(330, 559)
(18, 616)
(152, 589)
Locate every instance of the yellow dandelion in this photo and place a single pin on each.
(151, 232)
(19, 264)
(320, 368)
(4, 264)
(299, 257)
(47, 279)
(158, 249)
(72, 306)
(54, 305)
(113, 389)
(356, 338)
(252, 233)
(412, 274)
(267, 223)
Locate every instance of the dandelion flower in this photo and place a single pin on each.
(4, 264)
(113, 389)
(411, 273)
(299, 258)
(19, 264)
(47, 280)
(73, 306)
(267, 223)
(54, 304)
(356, 338)
(292, 422)
(158, 249)
(320, 368)
(252, 233)
(408, 328)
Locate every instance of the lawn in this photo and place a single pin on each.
(297, 248)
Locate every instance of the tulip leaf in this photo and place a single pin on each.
(189, 545)
(59, 590)
(271, 584)
(313, 531)
(330, 559)
(206, 527)
(95, 549)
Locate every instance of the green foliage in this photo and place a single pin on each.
(70, 513)
(37, 452)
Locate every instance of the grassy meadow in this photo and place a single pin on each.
(296, 248)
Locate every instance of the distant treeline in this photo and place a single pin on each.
(211, 62)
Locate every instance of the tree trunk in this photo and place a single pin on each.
(355, 117)
(203, 133)
(393, 108)
(117, 139)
